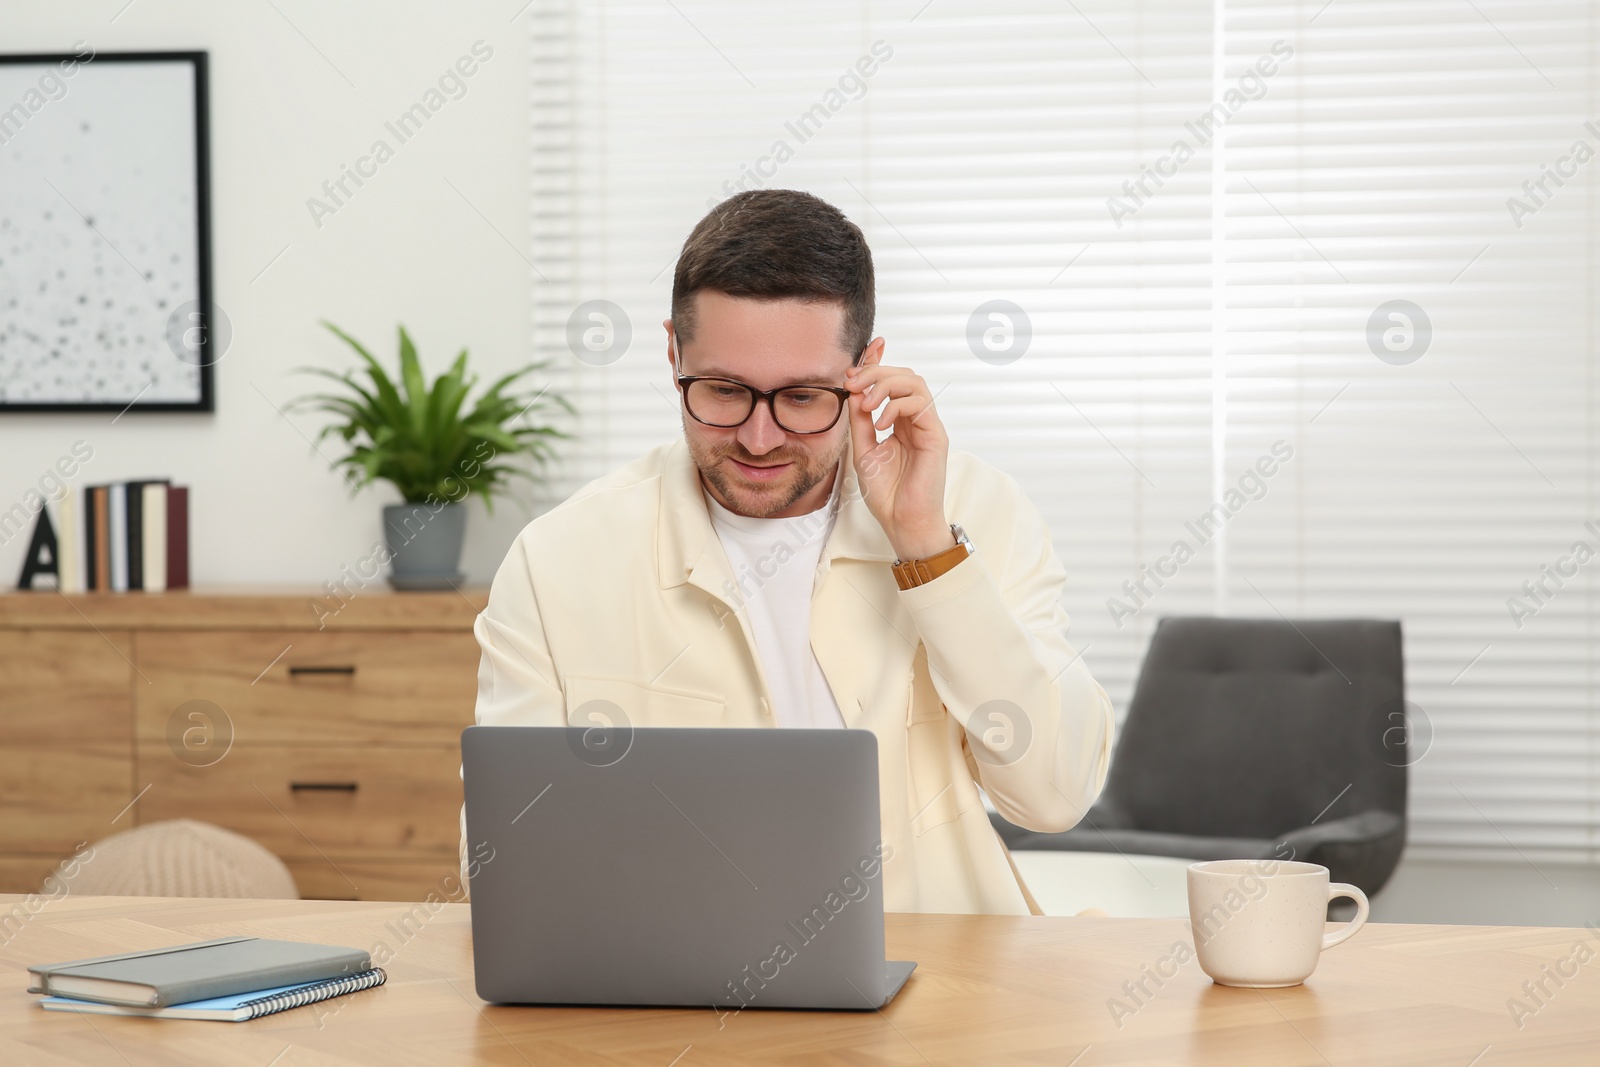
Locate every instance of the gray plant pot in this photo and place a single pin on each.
(425, 544)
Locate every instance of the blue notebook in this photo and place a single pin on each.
(236, 1008)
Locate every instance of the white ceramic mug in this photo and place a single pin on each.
(1260, 923)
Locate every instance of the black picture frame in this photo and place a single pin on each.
(206, 401)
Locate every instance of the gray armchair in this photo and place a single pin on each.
(1246, 738)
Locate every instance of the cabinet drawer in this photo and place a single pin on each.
(392, 688)
(316, 802)
(53, 797)
(61, 684)
(355, 879)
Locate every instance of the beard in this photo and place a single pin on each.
(763, 500)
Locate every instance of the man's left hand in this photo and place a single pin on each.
(902, 477)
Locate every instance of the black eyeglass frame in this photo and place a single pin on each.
(757, 396)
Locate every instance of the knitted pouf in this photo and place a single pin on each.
(182, 858)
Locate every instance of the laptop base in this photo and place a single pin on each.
(895, 974)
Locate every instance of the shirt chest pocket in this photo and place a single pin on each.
(611, 702)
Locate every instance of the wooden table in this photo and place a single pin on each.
(989, 989)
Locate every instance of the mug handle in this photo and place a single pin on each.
(1347, 931)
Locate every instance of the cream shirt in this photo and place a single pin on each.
(624, 593)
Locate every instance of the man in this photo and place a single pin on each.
(780, 566)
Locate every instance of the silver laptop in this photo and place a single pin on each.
(707, 867)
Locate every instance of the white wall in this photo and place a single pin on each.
(406, 248)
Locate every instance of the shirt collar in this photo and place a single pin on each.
(685, 539)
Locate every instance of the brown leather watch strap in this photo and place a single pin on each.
(915, 572)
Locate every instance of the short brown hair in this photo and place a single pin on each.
(773, 244)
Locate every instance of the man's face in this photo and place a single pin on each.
(759, 468)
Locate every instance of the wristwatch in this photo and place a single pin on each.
(908, 574)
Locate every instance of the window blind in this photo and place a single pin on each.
(1189, 213)
(1409, 294)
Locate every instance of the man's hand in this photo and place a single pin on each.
(902, 478)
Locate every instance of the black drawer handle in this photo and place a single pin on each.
(348, 671)
(324, 787)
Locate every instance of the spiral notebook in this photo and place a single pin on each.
(236, 1008)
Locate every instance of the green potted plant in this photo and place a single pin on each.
(434, 447)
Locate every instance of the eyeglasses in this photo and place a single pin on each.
(726, 403)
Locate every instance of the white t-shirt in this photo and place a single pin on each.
(775, 567)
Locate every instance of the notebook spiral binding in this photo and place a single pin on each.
(332, 987)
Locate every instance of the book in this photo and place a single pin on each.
(89, 575)
(154, 529)
(100, 537)
(138, 549)
(80, 551)
(178, 537)
(131, 535)
(134, 492)
(236, 1008)
(117, 535)
(69, 543)
(161, 977)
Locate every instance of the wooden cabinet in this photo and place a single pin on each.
(381, 688)
(63, 685)
(332, 738)
(306, 801)
(54, 797)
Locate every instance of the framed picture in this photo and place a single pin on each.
(105, 234)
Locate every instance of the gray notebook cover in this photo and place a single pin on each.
(184, 973)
